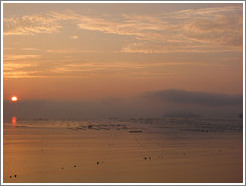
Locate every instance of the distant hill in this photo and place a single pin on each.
(181, 115)
(240, 115)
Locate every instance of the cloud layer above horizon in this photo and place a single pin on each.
(190, 30)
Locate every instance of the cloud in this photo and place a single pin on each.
(29, 49)
(72, 68)
(22, 74)
(19, 70)
(16, 65)
(191, 30)
(152, 47)
(30, 25)
(70, 51)
(74, 37)
(18, 57)
(104, 70)
(195, 30)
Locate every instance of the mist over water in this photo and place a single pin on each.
(149, 104)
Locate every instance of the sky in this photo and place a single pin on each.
(91, 52)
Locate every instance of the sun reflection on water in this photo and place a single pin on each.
(14, 121)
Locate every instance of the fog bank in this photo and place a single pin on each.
(149, 104)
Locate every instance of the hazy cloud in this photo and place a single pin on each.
(69, 51)
(195, 98)
(74, 37)
(30, 25)
(30, 49)
(174, 47)
(7, 57)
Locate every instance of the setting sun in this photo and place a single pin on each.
(14, 98)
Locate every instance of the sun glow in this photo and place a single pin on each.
(14, 98)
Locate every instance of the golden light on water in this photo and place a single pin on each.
(13, 121)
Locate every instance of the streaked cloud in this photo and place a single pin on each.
(30, 49)
(174, 47)
(68, 68)
(10, 66)
(18, 57)
(194, 30)
(69, 51)
(18, 70)
(30, 25)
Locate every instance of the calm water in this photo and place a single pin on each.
(167, 150)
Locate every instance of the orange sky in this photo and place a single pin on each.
(93, 51)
